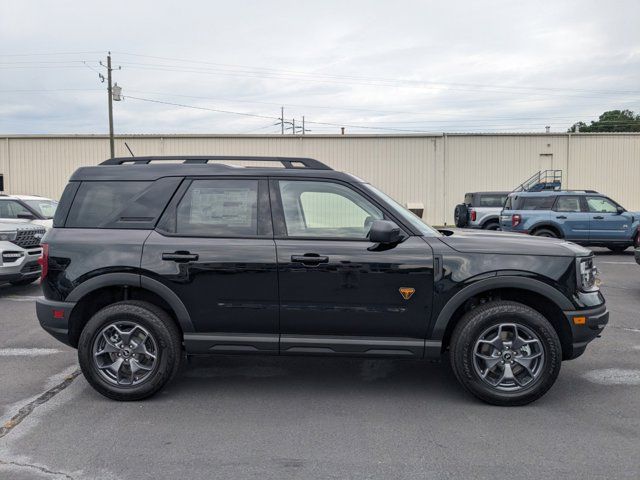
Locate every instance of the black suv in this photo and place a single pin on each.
(170, 256)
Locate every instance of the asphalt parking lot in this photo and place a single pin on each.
(268, 417)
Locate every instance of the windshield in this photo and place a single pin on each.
(405, 214)
(46, 208)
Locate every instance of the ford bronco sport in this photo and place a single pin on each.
(480, 210)
(170, 256)
(581, 216)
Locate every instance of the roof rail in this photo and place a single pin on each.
(287, 162)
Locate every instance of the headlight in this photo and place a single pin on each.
(587, 274)
(8, 236)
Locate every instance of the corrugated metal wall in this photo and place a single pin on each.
(436, 170)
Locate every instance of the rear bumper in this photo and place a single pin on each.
(595, 319)
(54, 318)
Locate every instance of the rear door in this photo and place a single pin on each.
(214, 248)
(569, 212)
(338, 294)
(605, 223)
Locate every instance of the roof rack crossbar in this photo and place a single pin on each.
(287, 162)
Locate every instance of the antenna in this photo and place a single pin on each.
(127, 145)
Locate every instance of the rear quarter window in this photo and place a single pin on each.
(120, 204)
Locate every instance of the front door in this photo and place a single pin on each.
(606, 223)
(214, 248)
(339, 294)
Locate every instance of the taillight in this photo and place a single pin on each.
(44, 260)
(515, 220)
(473, 215)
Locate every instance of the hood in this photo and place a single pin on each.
(15, 223)
(510, 244)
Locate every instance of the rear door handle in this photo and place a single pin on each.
(310, 259)
(180, 257)
(598, 218)
(562, 217)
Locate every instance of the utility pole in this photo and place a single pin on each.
(293, 124)
(282, 120)
(109, 90)
(303, 124)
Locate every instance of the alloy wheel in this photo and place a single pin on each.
(125, 354)
(508, 357)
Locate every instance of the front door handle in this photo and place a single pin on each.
(180, 256)
(310, 259)
(562, 217)
(599, 217)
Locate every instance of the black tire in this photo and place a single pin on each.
(617, 248)
(158, 324)
(468, 331)
(23, 282)
(545, 232)
(491, 225)
(461, 215)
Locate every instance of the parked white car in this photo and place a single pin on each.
(28, 209)
(19, 251)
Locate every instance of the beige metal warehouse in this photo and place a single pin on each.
(435, 170)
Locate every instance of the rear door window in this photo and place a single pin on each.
(219, 208)
(535, 203)
(568, 204)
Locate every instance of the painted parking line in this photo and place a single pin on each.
(614, 376)
(27, 352)
(21, 298)
(618, 263)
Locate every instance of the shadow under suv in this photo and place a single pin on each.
(150, 261)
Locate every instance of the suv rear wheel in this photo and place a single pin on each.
(505, 353)
(545, 232)
(129, 350)
(491, 225)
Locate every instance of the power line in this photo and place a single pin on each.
(202, 108)
(364, 78)
(49, 54)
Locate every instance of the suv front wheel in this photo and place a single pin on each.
(505, 353)
(129, 350)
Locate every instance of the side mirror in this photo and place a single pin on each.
(26, 216)
(620, 210)
(384, 232)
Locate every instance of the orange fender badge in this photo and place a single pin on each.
(406, 292)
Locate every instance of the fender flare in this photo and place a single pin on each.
(139, 281)
(500, 281)
(490, 218)
(548, 224)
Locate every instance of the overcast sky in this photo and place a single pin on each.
(401, 66)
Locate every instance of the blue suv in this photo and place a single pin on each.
(585, 217)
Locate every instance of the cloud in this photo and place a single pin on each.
(399, 66)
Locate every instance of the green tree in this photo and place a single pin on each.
(611, 121)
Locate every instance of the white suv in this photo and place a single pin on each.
(19, 251)
(28, 209)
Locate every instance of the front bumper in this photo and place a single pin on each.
(17, 263)
(54, 318)
(585, 325)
